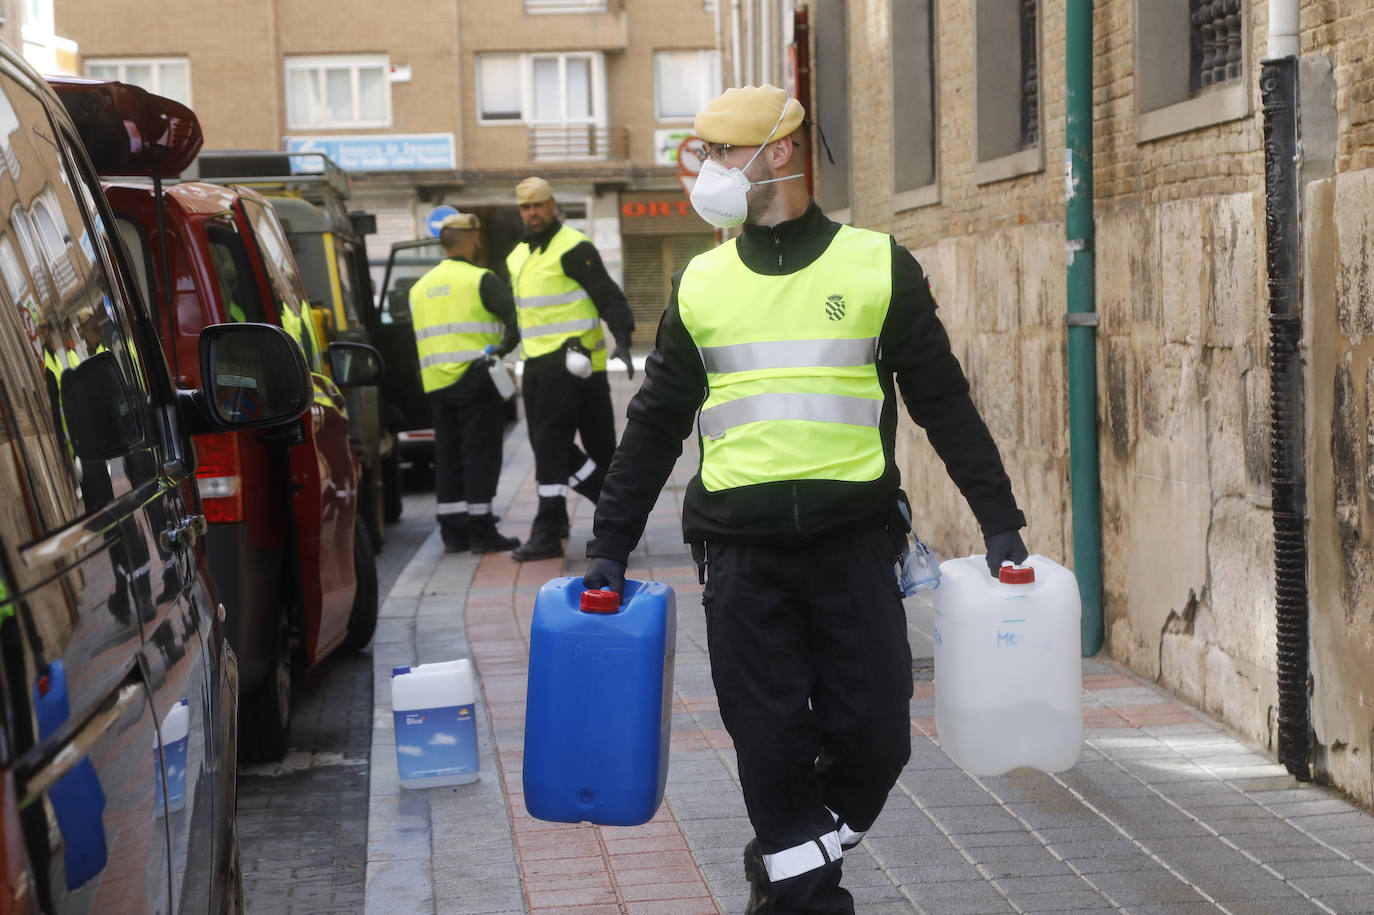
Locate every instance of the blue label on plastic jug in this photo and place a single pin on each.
(435, 742)
(175, 773)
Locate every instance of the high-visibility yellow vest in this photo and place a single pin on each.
(551, 306)
(451, 326)
(791, 363)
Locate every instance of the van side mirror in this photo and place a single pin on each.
(254, 376)
(355, 364)
(98, 409)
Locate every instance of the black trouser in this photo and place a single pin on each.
(559, 405)
(468, 419)
(812, 669)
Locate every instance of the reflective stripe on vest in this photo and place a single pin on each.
(792, 379)
(452, 328)
(551, 306)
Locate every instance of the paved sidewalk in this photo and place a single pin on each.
(1166, 812)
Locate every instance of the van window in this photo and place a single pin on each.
(286, 285)
(237, 287)
(64, 320)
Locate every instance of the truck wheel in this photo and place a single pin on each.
(265, 712)
(370, 507)
(362, 622)
(391, 488)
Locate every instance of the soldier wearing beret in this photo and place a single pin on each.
(562, 293)
(461, 312)
(787, 346)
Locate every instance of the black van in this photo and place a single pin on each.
(117, 685)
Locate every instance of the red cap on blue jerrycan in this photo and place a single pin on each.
(1016, 575)
(600, 601)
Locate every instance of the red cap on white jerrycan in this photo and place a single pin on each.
(1016, 575)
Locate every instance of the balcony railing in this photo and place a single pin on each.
(565, 6)
(578, 143)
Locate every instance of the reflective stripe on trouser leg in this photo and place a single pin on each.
(453, 508)
(582, 472)
(552, 490)
(478, 509)
(848, 837)
(791, 862)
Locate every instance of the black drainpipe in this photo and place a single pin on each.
(1279, 86)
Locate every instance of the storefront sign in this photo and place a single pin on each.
(383, 152)
(659, 213)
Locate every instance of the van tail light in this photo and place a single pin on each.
(14, 868)
(218, 477)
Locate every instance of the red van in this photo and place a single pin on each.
(288, 549)
(290, 557)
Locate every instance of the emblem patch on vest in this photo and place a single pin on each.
(834, 307)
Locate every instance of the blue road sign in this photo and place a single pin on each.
(436, 216)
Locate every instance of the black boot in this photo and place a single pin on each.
(454, 529)
(760, 887)
(544, 542)
(485, 538)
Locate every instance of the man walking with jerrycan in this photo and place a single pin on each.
(462, 313)
(790, 342)
(562, 292)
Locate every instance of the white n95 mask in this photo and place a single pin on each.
(721, 195)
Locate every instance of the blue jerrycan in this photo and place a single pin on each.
(598, 709)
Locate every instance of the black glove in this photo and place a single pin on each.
(1004, 546)
(605, 574)
(623, 354)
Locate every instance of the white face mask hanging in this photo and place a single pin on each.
(721, 195)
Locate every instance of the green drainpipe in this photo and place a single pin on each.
(1082, 318)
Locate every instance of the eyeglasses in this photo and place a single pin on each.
(716, 151)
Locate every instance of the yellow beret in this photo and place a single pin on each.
(532, 190)
(460, 221)
(747, 116)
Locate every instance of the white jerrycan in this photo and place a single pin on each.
(1008, 666)
(436, 727)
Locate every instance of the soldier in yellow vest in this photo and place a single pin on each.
(562, 293)
(787, 346)
(461, 312)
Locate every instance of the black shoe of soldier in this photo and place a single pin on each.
(541, 545)
(492, 541)
(457, 543)
(760, 887)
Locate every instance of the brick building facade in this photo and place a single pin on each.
(1183, 378)
(429, 104)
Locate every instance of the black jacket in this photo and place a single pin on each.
(582, 264)
(913, 347)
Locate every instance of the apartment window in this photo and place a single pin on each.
(832, 104)
(913, 104)
(338, 91)
(1191, 62)
(1008, 74)
(499, 87)
(38, 16)
(684, 81)
(542, 89)
(565, 6)
(166, 76)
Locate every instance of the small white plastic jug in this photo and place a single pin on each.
(436, 728)
(1008, 666)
